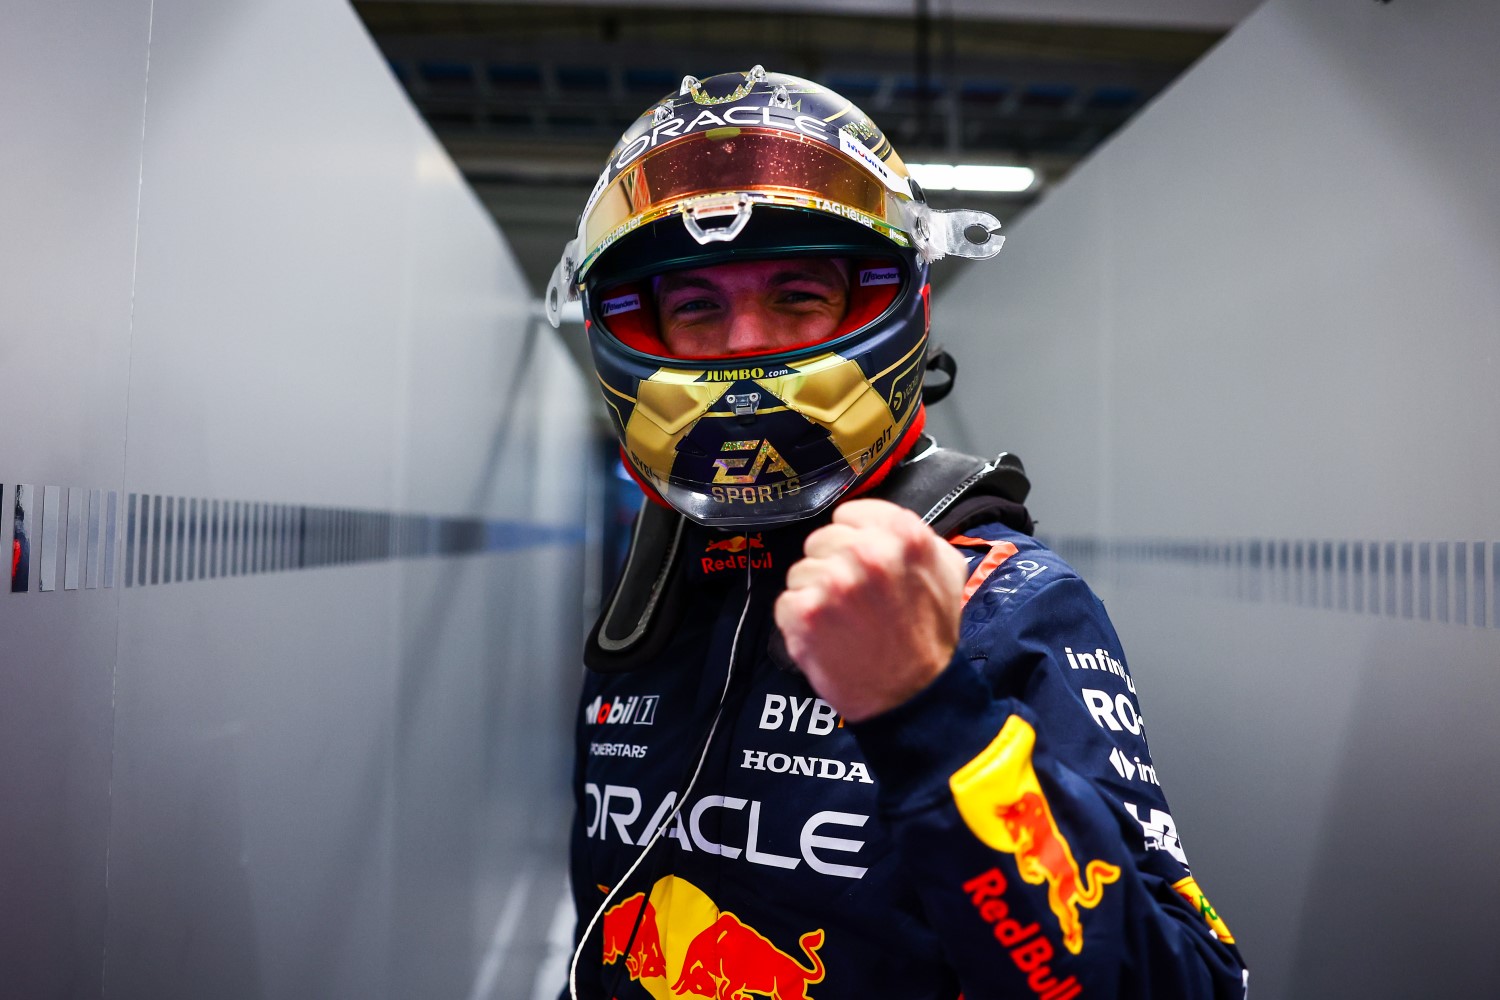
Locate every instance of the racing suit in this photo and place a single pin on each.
(1000, 835)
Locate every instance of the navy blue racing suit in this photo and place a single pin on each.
(1000, 835)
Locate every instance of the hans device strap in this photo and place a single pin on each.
(953, 491)
(633, 628)
(950, 490)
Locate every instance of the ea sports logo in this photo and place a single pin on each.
(767, 459)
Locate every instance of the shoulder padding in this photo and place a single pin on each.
(952, 491)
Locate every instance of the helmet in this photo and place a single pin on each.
(753, 166)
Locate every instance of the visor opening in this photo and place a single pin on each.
(628, 311)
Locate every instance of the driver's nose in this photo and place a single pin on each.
(752, 328)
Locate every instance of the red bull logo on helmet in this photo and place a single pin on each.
(686, 947)
(1003, 804)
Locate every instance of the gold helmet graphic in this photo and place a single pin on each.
(746, 167)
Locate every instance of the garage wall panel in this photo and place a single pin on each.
(72, 89)
(1249, 355)
(284, 659)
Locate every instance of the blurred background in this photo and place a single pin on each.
(309, 512)
(527, 98)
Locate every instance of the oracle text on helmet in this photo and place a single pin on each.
(738, 115)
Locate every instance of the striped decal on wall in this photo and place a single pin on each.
(154, 539)
(1454, 583)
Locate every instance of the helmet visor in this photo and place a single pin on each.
(767, 165)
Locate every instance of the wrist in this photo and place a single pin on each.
(913, 747)
(906, 685)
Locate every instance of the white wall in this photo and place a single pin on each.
(1266, 314)
(235, 267)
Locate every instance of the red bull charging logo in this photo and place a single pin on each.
(687, 947)
(1001, 800)
(735, 552)
(646, 959)
(735, 543)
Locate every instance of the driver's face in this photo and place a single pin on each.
(752, 307)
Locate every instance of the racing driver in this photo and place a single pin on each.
(848, 729)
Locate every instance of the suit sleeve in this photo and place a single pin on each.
(1021, 794)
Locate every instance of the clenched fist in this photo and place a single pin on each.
(870, 615)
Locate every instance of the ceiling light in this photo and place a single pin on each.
(972, 177)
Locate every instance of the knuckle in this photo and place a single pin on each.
(915, 534)
(839, 584)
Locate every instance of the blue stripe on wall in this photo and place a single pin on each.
(169, 539)
(1448, 583)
